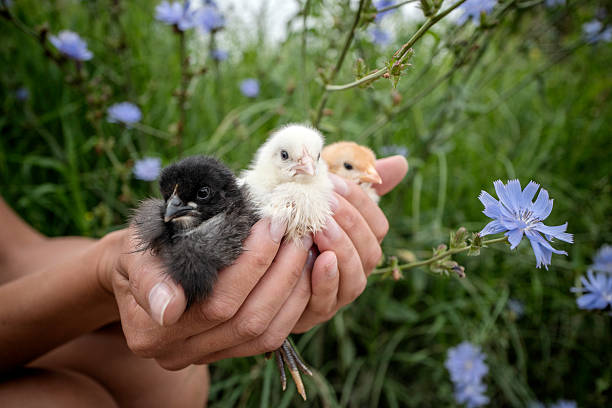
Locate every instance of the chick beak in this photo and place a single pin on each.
(370, 176)
(305, 164)
(175, 208)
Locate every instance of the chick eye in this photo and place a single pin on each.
(284, 155)
(348, 166)
(204, 193)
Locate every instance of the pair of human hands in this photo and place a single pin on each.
(275, 287)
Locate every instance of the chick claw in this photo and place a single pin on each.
(286, 354)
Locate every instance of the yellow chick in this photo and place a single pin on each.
(353, 162)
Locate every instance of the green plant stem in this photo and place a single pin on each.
(444, 254)
(345, 48)
(182, 96)
(304, 81)
(218, 79)
(402, 51)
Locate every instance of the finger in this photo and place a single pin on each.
(392, 170)
(352, 277)
(324, 283)
(358, 230)
(257, 311)
(359, 199)
(238, 280)
(279, 328)
(151, 287)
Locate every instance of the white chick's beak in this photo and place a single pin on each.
(370, 176)
(305, 164)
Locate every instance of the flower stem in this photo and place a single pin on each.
(394, 6)
(444, 254)
(402, 51)
(347, 44)
(182, 96)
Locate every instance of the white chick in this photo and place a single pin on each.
(289, 180)
(354, 162)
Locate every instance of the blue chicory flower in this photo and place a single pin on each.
(380, 36)
(22, 94)
(177, 14)
(472, 9)
(147, 169)
(598, 288)
(554, 3)
(516, 214)
(594, 31)
(210, 18)
(471, 394)
(124, 112)
(465, 363)
(219, 55)
(516, 306)
(603, 259)
(71, 45)
(564, 404)
(250, 87)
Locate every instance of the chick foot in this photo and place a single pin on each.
(286, 354)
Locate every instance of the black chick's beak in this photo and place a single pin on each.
(176, 208)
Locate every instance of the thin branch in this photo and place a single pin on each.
(402, 51)
(182, 96)
(394, 6)
(347, 44)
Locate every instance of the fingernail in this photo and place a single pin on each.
(277, 229)
(340, 185)
(159, 299)
(307, 241)
(333, 203)
(332, 229)
(332, 271)
(309, 261)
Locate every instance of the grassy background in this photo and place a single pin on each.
(523, 98)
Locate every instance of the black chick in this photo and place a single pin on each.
(200, 225)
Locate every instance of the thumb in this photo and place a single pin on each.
(392, 170)
(162, 299)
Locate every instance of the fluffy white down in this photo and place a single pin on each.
(302, 201)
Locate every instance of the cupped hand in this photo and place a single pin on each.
(349, 245)
(255, 304)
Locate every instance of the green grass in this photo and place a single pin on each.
(517, 107)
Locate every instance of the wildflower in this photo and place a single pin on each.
(472, 9)
(390, 150)
(381, 4)
(147, 169)
(471, 394)
(554, 3)
(179, 15)
(210, 18)
(603, 259)
(250, 87)
(219, 55)
(380, 36)
(22, 94)
(465, 363)
(516, 214)
(599, 291)
(71, 45)
(564, 404)
(594, 31)
(124, 112)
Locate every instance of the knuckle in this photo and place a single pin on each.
(141, 345)
(259, 259)
(359, 287)
(271, 341)
(218, 310)
(251, 327)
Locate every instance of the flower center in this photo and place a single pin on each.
(526, 219)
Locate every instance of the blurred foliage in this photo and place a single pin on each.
(519, 96)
